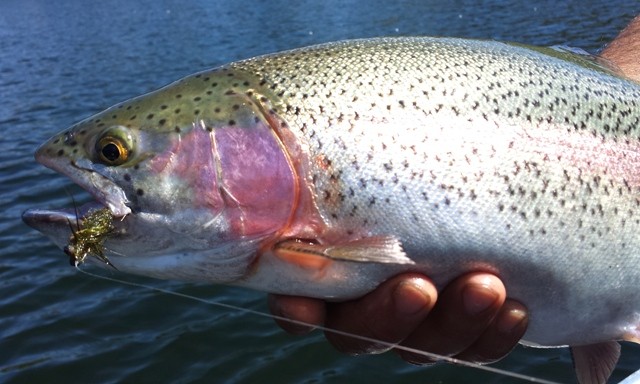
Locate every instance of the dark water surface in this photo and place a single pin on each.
(61, 61)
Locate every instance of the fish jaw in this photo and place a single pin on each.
(57, 225)
(130, 249)
(85, 174)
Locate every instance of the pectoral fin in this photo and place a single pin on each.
(594, 363)
(387, 250)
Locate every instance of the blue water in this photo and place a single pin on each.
(61, 61)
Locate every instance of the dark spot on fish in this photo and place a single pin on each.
(163, 107)
(196, 112)
(178, 96)
(127, 177)
(232, 122)
(133, 117)
(197, 98)
(139, 192)
(56, 141)
(235, 107)
(150, 116)
(176, 128)
(61, 152)
(216, 110)
(214, 84)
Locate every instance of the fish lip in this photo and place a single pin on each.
(103, 189)
(36, 217)
(58, 225)
(70, 218)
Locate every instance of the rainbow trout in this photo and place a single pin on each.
(325, 170)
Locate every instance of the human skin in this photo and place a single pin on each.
(470, 319)
(624, 51)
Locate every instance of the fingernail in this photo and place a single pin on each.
(410, 297)
(478, 298)
(508, 323)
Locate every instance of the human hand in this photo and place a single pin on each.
(471, 319)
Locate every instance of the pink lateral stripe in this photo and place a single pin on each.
(616, 160)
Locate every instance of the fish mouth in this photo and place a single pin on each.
(59, 224)
(84, 173)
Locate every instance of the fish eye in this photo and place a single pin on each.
(114, 146)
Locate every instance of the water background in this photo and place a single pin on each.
(61, 61)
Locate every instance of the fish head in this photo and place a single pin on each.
(193, 168)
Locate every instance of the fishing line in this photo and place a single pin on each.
(322, 328)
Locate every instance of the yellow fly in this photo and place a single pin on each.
(89, 238)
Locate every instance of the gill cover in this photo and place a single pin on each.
(238, 168)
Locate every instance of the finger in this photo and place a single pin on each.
(501, 336)
(389, 313)
(465, 308)
(301, 309)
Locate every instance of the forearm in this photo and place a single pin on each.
(624, 50)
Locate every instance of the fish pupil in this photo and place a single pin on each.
(111, 152)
